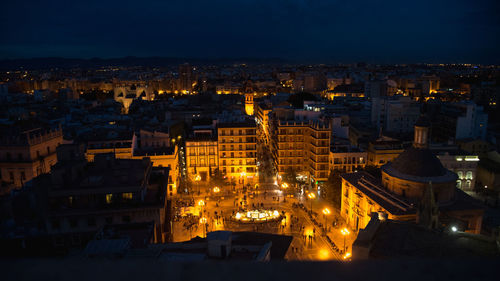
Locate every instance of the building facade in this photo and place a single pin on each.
(347, 160)
(302, 148)
(28, 154)
(237, 149)
(383, 150)
(202, 157)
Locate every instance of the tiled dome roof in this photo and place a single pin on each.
(418, 162)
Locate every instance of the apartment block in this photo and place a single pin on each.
(28, 154)
(302, 147)
(237, 149)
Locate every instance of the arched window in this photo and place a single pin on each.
(469, 175)
(459, 184)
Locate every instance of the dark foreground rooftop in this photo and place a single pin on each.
(135, 270)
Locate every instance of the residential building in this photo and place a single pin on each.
(300, 143)
(383, 150)
(348, 159)
(79, 198)
(461, 120)
(202, 157)
(461, 163)
(237, 148)
(102, 141)
(394, 114)
(27, 154)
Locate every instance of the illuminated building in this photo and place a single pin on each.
(301, 146)
(249, 104)
(201, 157)
(127, 94)
(28, 154)
(347, 160)
(262, 111)
(237, 148)
(383, 150)
(460, 162)
(351, 90)
(414, 186)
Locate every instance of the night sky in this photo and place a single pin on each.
(385, 31)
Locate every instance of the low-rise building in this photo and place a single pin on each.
(28, 154)
(78, 198)
(348, 159)
(383, 150)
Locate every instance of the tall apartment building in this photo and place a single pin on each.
(237, 148)
(301, 146)
(25, 155)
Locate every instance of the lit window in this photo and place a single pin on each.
(109, 198)
(127, 195)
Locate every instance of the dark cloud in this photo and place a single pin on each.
(378, 31)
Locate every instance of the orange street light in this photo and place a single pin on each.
(201, 203)
(216, 189)
(326, 212)
(203, 222)
(347, 255)
(311, 196)
(345, 232)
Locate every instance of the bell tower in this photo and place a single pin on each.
(421, 133)
(249, 104)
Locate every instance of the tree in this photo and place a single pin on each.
(290, 176)
(217, 179)
(297, 100)
(333, 188)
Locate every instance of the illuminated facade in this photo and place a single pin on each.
(237, 148)
(347, 161)
(415, 185)
(262, 116)
(201, 158)
(302, 147)
(249, 104)
(28, 155)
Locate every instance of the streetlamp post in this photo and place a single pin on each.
(345, 232)
(197, 180)
(326, 212)
(203, 222)
(311, 197)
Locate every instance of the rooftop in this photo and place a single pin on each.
(372, 187)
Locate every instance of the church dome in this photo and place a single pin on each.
(419, 163)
